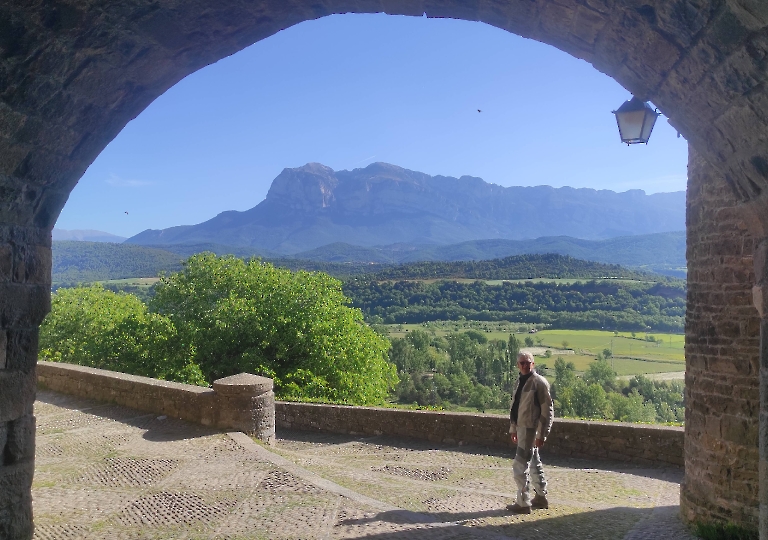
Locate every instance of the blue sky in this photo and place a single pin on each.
(349, 90)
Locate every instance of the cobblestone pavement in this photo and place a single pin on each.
(108, 472)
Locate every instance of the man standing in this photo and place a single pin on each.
(530, 423)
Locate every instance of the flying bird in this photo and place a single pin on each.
(478, 110)
(126, 213)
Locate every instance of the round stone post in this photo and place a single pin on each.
(246, 403)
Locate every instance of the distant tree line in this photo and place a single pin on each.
(530, 266)
(609, 304)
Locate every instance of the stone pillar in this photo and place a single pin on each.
(246, 403)
(760, 296)
(25, 298)
(722, 351)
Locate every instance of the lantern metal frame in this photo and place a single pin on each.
(635, 128)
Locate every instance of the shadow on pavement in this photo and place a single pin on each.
(609, 524)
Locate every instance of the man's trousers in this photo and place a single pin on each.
(527, 468)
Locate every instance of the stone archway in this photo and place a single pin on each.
(73, 73)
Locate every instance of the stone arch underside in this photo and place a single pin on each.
(74, 72)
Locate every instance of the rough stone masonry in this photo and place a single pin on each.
(74, 72)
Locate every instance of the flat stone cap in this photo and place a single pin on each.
(243, 384)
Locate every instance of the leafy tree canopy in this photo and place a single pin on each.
(94, 327)
(294, 327)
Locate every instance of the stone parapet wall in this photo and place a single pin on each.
(242, 402)
(722, 338)
(642, 444)
(246, 403)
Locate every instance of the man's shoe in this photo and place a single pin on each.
(540, 502)
(517, 509)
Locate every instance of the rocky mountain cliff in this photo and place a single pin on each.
(313, 205)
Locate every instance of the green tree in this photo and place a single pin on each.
(565, 373)
(295, 327)
(630, 408)
(528, 341)
(479, 337)
(513, 349)
(419, 339)
(589, 400)
(481, 397)
(562, 392)
(600, 372)
(94, 327)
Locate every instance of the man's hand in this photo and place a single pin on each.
(513, 436)
(538, 443)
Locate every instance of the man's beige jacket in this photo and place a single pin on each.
(535, 409)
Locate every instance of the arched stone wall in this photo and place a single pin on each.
(73, 73)
(722, 345)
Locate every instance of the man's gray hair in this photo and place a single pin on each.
(525, 354)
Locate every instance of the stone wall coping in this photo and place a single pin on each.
(242, 384)
(243, 402)
(126, 377)
(573, 421)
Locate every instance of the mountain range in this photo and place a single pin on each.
(313, 206)
(660, 252)
(80, 262)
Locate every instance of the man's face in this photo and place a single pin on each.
(524, 365)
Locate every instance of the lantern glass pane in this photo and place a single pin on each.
(650, 120)
(630, 125)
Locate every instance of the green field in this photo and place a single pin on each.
(631, 356)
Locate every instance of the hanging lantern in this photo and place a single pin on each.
(635, 119)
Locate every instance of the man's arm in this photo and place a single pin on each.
(547, 413)
(512, 421)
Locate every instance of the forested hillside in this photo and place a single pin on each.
(661, 252)
(83, 262)
(608, 304)
(530, 266)
(428, 291)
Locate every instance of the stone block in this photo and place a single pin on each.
(6, 262)
(17, 394)
(37, 265)
(20, 443)
(24, 306)
(20, 348)
(739, 430)
(16, 501)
